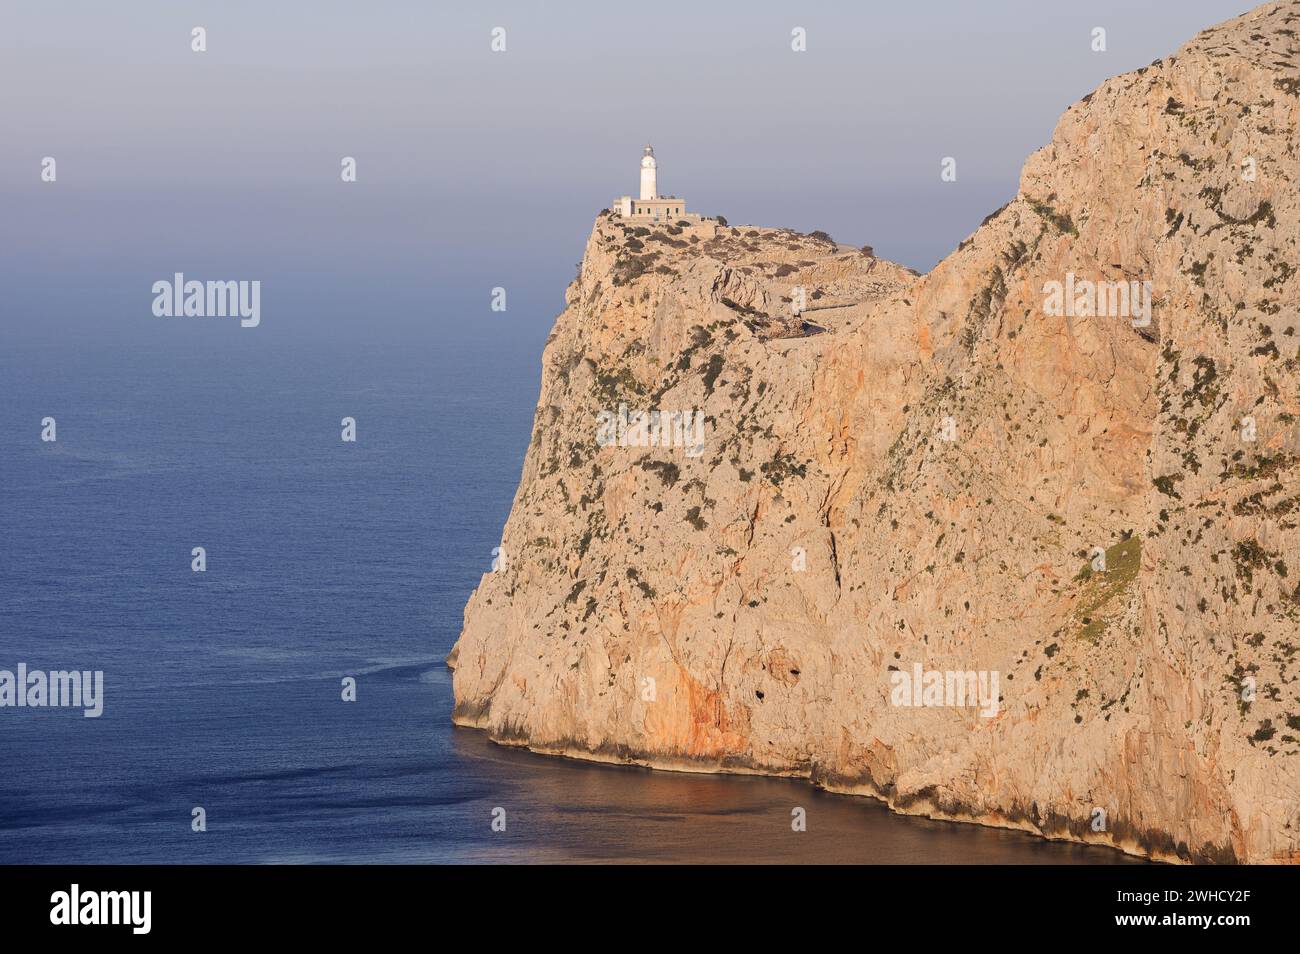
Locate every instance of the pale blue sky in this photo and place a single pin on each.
(480, 169)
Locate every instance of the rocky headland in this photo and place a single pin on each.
(1098, 504)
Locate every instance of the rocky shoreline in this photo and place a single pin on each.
(1093, 504)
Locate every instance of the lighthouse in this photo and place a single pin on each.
(649, 177)
(651, 206)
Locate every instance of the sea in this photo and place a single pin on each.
(325, 560)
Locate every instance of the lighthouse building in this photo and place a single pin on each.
(650, 206)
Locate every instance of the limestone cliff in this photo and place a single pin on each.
(924, 470)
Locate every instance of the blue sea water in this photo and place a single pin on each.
(325, 559)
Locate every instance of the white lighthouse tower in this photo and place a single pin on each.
(651, 206)
(649, 168)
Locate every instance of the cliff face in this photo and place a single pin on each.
(923, 471)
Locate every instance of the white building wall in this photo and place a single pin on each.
(649, 178)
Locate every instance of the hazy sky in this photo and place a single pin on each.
(479, 169)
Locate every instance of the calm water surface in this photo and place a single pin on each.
(324, 560)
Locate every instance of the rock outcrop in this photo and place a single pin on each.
(927, 470)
